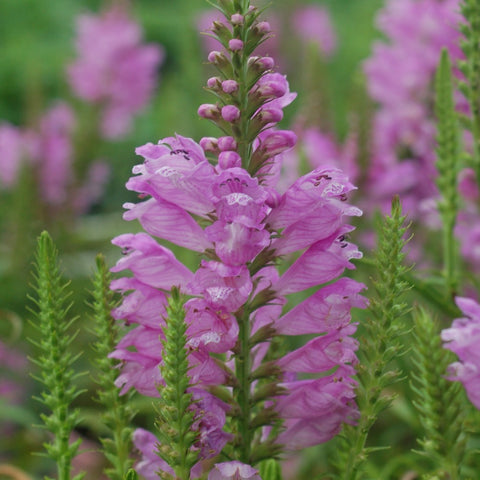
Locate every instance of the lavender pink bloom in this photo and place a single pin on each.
(11, 155)
(400, 73)
(236, 217)
(51, 153)
(463, 338)
(114, 70)
(312, 23)
(233, 471)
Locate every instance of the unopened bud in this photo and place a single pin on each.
(237, 19)
(209, 144)
(229, 86)
(212, 82)
(261, 64)
(230, 113)
(235, 44)
(229, 159)
(263, 28)
(209, 111)
(227, 143)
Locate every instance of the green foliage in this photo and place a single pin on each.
(439, 402)
(470, 68)
(448, 167)
(270, 470)
(117, 411)
(174, 409)
(131, 475)
(54, 357)
(380, 344)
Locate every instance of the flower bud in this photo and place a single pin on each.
(229, 159)
(278, 141)
(237, 19)
(263, 28)
(271, 85)
(269, 115)
(261, 64)
(218, 59)
(229, 86)
(227, 143)
(213, 82)
(230, 113)
(209, 111)
(209, 144)
(235, 44)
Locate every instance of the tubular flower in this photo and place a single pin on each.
(112, 63)
(462, 338)
(233, 471)
(399, 79)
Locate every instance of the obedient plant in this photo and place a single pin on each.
(400, 73)
(227, 390)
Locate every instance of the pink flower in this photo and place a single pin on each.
(209, 419)
(11, 153)
(112, 63)
(51, 152)
(150, 463)
(314, 410)
(463, 338)
(151, 263)
(400, 73)
(313, 24)
(231, 213)
(233, 471)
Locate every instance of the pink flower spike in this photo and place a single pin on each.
(312, 24)
(10, 155)
(230, 113)
(235, 44)
(234, 470)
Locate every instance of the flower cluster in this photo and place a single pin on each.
(112, 63)
(462, 338)
(219, 198)
(400, 75)
(47, 152)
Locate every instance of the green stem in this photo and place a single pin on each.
(242, 371)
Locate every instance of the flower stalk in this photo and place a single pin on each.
(117, 413)
(54, 358)
(448, 168)
(380, 344)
